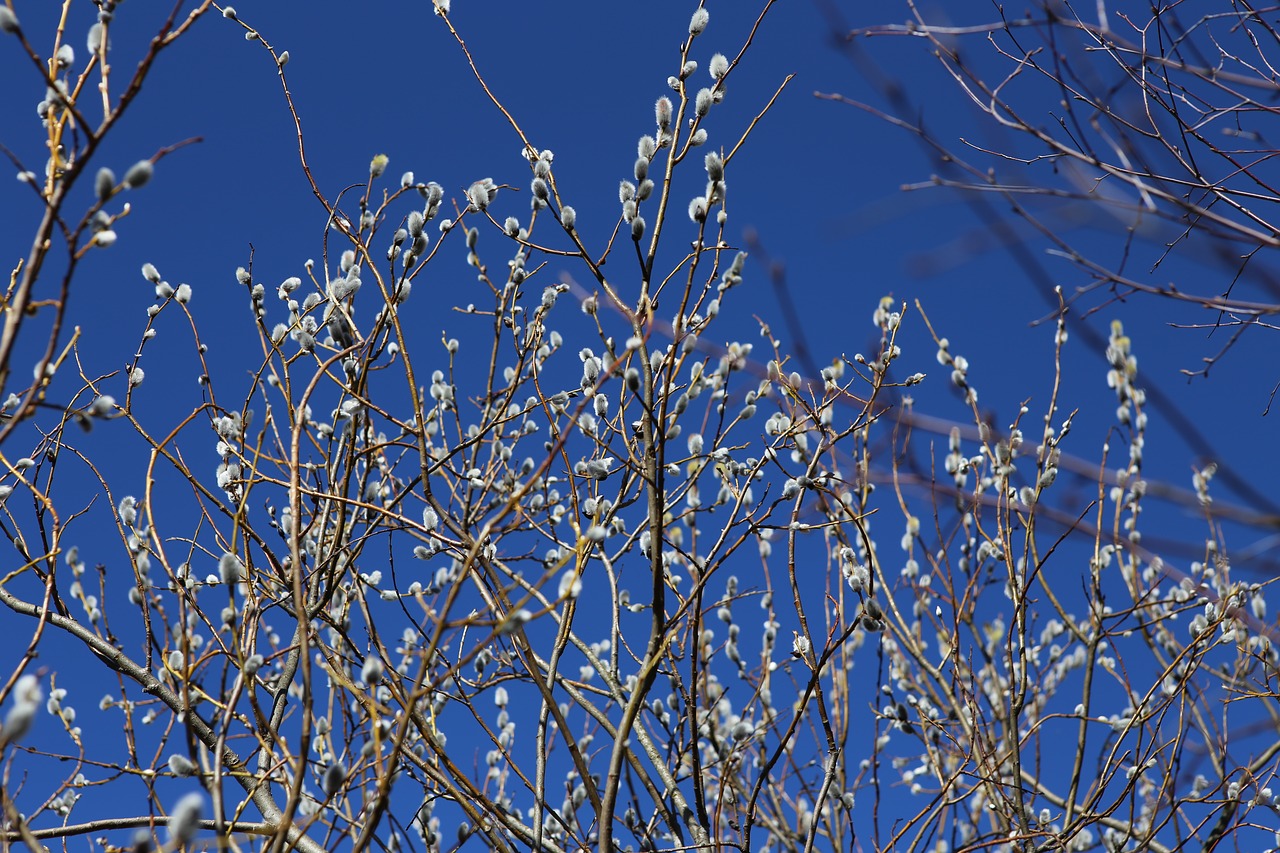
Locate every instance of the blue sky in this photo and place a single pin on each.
(819, 182)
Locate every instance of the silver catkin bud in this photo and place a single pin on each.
(662, 112)
(184, 820)
(698, 22)
(139, 173)
(103, 183)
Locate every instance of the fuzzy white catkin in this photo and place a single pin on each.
(334, 777)
(230, 568)
(371, 672)
(139, 173)
(698, 22)
(570, 584)
(184, 820)
(701, 104)
(27, 696)
(180, 765)
(103, 184)
(662, 112)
